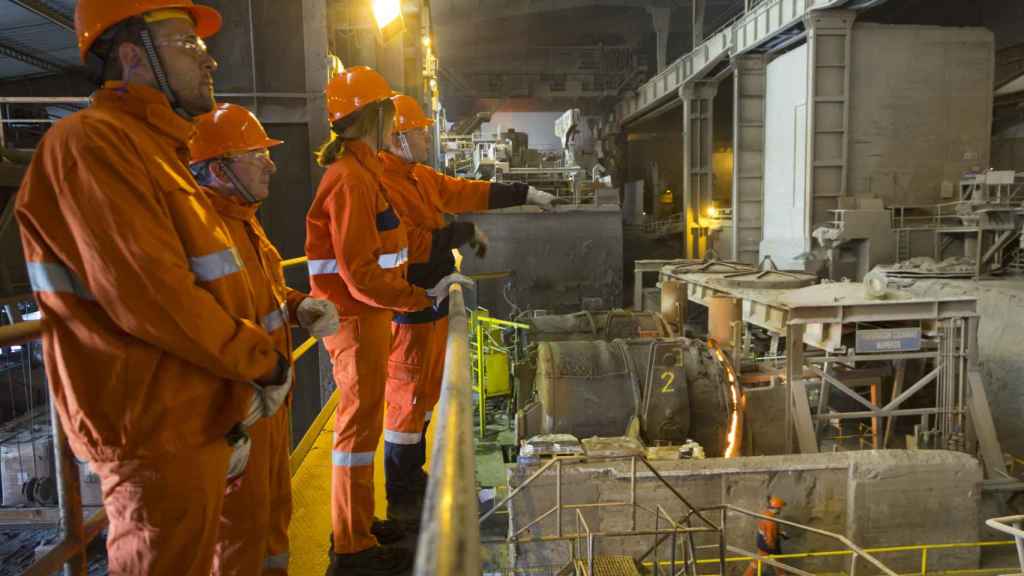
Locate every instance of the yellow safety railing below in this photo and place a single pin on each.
(922, 549)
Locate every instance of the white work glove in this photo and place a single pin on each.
(241, 445)
(440, 292)
(540, 198)
(318, 316)
(266, 401)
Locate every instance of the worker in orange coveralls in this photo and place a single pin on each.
(422, 196)
(151, 337)
(769, 538)
(358, 249)
(230, 156)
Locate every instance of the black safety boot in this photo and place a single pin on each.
(376, 561)
(386, 531)
(406, 507)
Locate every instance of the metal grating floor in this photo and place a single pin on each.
(615, 566)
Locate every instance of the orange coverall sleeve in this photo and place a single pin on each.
(458, 195)
(137, 269)
(357, 245)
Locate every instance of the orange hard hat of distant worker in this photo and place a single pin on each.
(353, 89)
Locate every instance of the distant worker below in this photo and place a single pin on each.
(769, 539)
(422, 196)
(231, 160)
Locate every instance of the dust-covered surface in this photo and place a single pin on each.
(558, 260)
(881, 498)
(1001, 344)
(18, 549)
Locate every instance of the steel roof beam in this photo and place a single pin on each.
(30, 59)
(40, 8)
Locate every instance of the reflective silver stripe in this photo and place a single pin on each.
(216, 265)
(405, 438)
(393, 260)
(322, 267)
(351, 459)
(53, 277)
(276, 562)
(275, 319)
(427, 416)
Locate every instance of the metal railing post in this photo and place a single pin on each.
(69, 496)
(449, 539)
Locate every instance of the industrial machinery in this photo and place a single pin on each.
(857, 357)
(605, 325)
(663, 390)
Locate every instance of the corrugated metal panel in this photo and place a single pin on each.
(37, 36)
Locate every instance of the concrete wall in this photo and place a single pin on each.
(539, 125)
(556, 258)
(785, 159)
(1000, 332)
(885, 498)
(920, 109)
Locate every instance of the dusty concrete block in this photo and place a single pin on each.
(879, 498)
(902, 497)
(558, 259)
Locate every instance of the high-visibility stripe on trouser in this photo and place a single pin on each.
(164, 512)
(403, 421)
(359, 354)
(254, 507)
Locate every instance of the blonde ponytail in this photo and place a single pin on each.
(330, 151)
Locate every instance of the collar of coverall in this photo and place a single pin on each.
(231, 206)
(393, 162)
(147, 104)
(365, 155)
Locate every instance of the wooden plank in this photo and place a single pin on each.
(981, 416)
(897, 388)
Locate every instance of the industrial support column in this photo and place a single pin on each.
(314, 36)
(750, 79)
(661, 18)
(828, 117)
(698, 108)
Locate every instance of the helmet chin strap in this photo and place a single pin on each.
(237, 183)
(406, 150)
(158, 72)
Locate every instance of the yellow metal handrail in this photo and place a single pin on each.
(449, 539)
(71, 548)
(481, 386)
(922, 548)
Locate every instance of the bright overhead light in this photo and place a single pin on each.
(426, 41)
(388, 14)
(712, 212)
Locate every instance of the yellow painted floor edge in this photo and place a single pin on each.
(311, 493)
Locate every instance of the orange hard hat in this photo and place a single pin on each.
(353, 89)
(94, 17)
(408, 114)
(230, 129)
(776, 502)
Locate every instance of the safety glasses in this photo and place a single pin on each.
(188, 42)
(261, 156)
